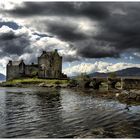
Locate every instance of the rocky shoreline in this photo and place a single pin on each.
(129, 96)
(124, 96)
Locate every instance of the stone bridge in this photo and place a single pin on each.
(112, 83)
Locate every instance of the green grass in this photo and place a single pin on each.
(36, 81)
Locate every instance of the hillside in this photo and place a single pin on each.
(123, 73)
(2, 77)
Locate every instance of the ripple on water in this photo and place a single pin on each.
(63, 113)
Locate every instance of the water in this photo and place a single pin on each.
(63, 113)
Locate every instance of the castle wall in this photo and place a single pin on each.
(44, 67)
(12, 72)
(31, 70)
(15, 71)
(49, 66)
(57, 67)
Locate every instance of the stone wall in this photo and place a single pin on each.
(57, 67)
(15, 71)
(131, 83)
(50, 65)
(31, 70)
(113, 83)
(12, 72)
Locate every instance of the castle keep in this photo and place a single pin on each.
(49, 66)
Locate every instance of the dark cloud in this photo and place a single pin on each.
(117, 23)
(11, 44)
(65, 31)
(95, 49)
(41, 34)
(122, 30)
(70, 58)
(8, 36)
(91, 10)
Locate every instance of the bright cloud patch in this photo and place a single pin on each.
(97, 67)
(27, 43)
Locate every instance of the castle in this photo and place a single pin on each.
(49, 67)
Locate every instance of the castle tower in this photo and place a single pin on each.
(15, 69)
(50, 65)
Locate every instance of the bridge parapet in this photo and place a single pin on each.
(125, 83)
(112, 83)
(131, 83)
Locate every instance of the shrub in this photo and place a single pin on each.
(57, 82)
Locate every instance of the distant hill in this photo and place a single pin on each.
(2, 77)
(123, 73)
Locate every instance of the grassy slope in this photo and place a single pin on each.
(36, 81)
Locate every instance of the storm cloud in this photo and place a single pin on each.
(13, 42)
(76, 9)
(114, 27)
(65, 31)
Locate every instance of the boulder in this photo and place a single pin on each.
(41, 85)
(132, 95)
(138, 98)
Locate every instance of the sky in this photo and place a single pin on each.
(91, 36)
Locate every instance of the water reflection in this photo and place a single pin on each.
(63, 113)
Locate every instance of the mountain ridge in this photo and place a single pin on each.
(133, 71)
(2, 77)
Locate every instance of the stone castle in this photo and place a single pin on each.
(49, 66)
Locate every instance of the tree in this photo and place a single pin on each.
(112, 75)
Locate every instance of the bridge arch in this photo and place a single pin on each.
(112, 83)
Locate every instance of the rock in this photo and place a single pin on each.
(64, 85)
(132, 95)
(117, 94)
(50, 86)
(122, 96)
(57, 86)
(71, 85)
(125, 92)
(41, 85)
(138, 98)
(18, 85)
(129, 96)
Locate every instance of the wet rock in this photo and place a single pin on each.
(138, 98)
(64, 85)
(57, 86)
(41, 85)
(132, 95)
(71, 85)
(18, 85)
(117, 94)
(125, 92)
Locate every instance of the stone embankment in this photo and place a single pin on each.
(53, 85)
(128, 96)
